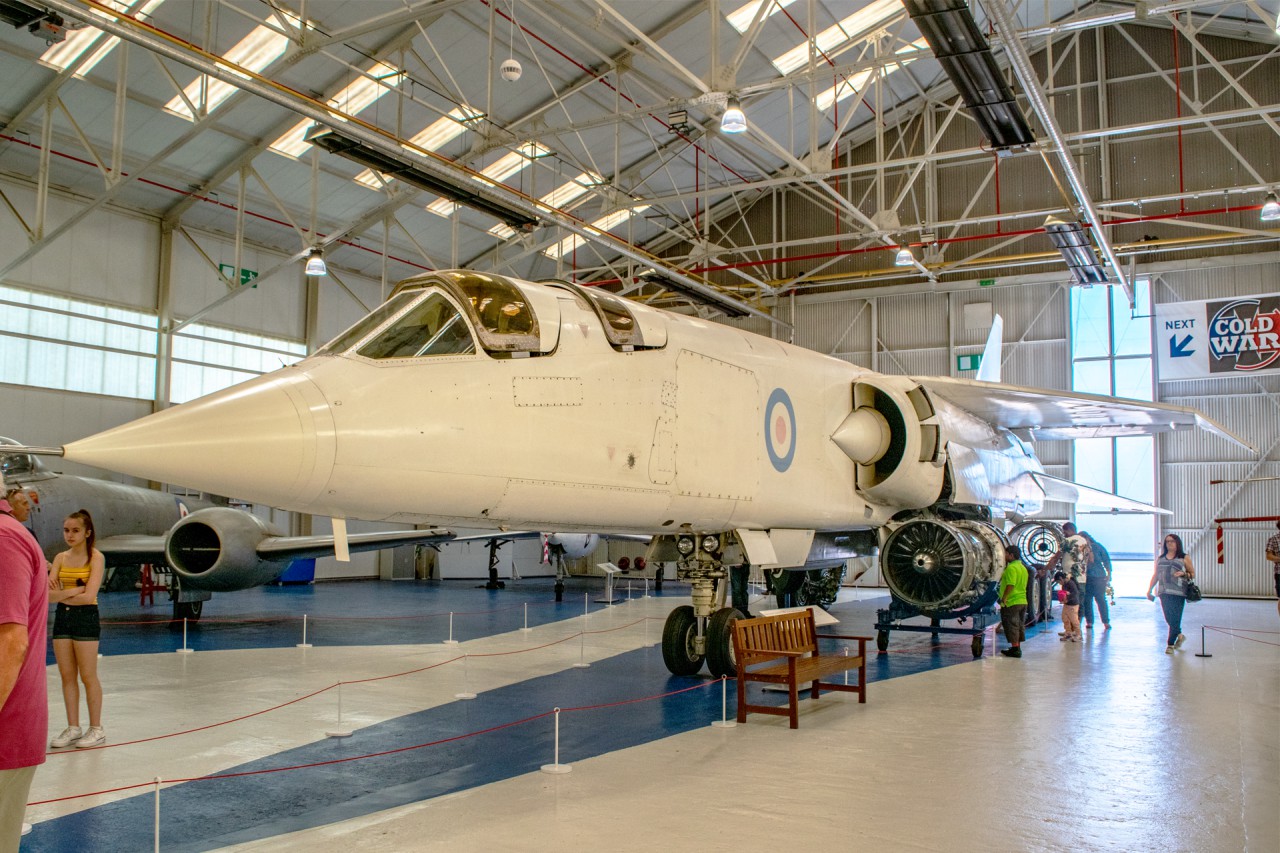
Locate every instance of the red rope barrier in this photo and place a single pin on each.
(1238, 637)
(438, 742)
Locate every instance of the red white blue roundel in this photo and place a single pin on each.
(780, 430)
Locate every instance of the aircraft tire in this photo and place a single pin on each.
(678, 636)
(976, 645)
(882, 641)
(189, 610)
(720, 658)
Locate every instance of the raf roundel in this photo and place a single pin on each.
(780, 430)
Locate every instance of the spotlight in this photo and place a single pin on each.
(733, 120)
(904, 258)
(1270, 208)
(315, 263)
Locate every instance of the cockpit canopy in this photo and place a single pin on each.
(436, 314)
(17, 466)
(450, 312)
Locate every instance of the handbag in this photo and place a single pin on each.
(1193, 591)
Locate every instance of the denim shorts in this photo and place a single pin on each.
(76, 622)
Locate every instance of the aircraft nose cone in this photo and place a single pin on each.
(268, 440)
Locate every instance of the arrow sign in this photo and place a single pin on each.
(1178, 348)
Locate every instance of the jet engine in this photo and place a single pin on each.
(894, 438)
(936, 565)
(216, 549)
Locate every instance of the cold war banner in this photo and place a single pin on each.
(1239, 336)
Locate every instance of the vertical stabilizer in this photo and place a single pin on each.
(989, 369)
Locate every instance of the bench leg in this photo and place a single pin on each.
(794, 696)
(742, 697)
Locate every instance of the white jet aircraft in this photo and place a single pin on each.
(481, 401)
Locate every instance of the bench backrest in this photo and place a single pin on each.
(785, 632)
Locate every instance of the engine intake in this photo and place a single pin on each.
(216, 549)
(893, 436)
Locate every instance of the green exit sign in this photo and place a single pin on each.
(986, 282)
(968, 362)
(229, 273)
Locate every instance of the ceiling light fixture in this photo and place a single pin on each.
(1069, 239)
(904, 258)
(1270, 208)
(734, 119)
(315, 262)
(459, 189)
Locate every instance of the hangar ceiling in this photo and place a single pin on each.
(857, 144)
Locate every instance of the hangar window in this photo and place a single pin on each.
(1111, 354)
(432, 327)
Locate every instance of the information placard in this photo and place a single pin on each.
(1218, 337)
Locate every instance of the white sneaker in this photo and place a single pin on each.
(1064, 633)
(1168, 650)
(1182, 638)
(69, 735)
(95, 736)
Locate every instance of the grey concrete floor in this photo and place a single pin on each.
(1105, 745)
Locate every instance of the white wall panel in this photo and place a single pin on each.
(111, 256)
(275, 307)
(37, 416)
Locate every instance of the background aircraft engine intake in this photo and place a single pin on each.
(939, 565)
(893, 436)
(575, 545)
(216, 549)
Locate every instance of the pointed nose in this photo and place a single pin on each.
(268, 441)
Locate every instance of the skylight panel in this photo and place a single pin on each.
(856, 82)
(570, 190)
(255, 52)
(352, 100)
(741, 18)
(499, 170)
(854, 26)
(64, 53)
(605, 223)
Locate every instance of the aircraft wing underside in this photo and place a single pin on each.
(1044, 415)
(298, 547)
(131, 549)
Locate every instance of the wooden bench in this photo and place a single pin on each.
(791, 639)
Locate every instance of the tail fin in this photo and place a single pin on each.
(989, 369)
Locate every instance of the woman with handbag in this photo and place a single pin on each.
(1172, 576)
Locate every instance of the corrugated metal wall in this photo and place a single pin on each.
(1248, 406)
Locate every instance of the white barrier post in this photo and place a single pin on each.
(304, 644)
(184, 650)
(340, 731)
(451, 641)
(526, 618)
(724, 722)
(466, 686)
(556, 766)
(156, 829)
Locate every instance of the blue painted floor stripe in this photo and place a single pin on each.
(202, 816)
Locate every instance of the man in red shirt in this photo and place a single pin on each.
(24, 703)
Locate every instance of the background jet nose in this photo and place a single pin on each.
(255, 441)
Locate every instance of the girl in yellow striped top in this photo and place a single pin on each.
(74, 578)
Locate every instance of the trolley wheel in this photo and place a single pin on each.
(882, 641)
(679, 642)
(976, 645)
(720, 657)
